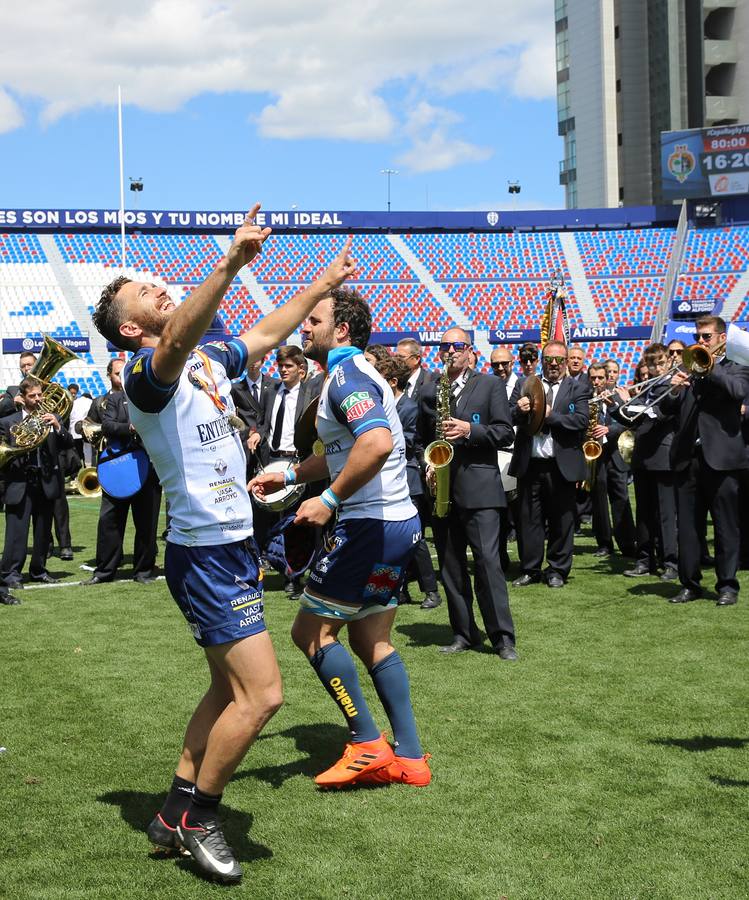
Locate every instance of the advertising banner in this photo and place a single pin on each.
(78, 344)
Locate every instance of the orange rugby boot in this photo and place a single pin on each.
(357, 759)
(400, 771)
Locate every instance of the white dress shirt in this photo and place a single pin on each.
(289, 417)
(543, 444)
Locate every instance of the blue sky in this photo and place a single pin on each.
(228, 102)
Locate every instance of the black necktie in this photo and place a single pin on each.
(278, 424)
(255, 395)
(550, 404)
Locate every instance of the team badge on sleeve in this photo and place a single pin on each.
(357, 405)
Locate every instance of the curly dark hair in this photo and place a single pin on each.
(379, 351)
(108, 315)
(351, 308)
(394, 367)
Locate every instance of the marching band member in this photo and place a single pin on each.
(479, 423)
(610, 479)
(655, 493)
(33, 481)
(708, 456)
(548, 466)
(113, 512)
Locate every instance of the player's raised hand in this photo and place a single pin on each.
(248, 240)
(342, 267)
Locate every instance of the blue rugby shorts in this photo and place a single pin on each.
(219, 590)
(360, 567)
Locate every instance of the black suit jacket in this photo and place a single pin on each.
(14, 475)
(250, 412)
(611, 455)
(653, 437)
(408, 413)
(425, 377)
(7, 405)
(568, 423)
(475, 482)
(710, 408)
(115, 419)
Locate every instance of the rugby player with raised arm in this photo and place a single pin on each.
(356, 577)
(179, 394)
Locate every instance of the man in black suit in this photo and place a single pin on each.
(478, 425)
(283, 406)
(410, 351)
(396, 372)
(708, 456)
(10, 401)
(576, 364)
(548, 466)
(250, 396)
(113, 513)
(655, 494)
(610, 475)
(33, 482)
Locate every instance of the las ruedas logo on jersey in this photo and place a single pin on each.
(357, 405)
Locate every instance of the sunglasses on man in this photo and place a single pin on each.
(555, 359)
(502, 364)
(705, 335)
(675, 352)
(458, 346)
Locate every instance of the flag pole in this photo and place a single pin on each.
(122, 176)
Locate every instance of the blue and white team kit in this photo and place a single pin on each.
(361, 567)
(211, 560)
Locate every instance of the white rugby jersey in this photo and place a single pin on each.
(355, 399)
(197, 455)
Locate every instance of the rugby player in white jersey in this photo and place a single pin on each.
(180, 404)
(355, 579)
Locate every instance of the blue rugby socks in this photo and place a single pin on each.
(337, 671)
(391, 683)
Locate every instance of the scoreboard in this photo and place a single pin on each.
(705, 162)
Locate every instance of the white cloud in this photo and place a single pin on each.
(11, 116)
(324, 111)
(433, 148)
(327, 66)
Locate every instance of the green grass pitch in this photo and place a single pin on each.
(612, 761)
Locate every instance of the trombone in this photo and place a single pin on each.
(697, 360)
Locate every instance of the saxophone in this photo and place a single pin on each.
(439, 453)
(592, 448)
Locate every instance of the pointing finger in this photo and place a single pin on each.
(250, 217)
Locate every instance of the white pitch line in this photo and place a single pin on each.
(64, 584)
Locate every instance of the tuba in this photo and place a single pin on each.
(31, 432)
(439, 454)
